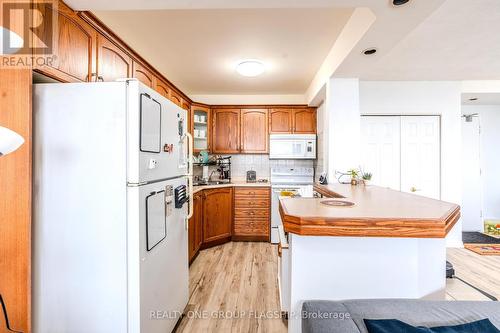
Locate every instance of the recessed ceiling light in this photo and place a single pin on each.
(473, 99)
(250, 68)
(370, 51)
(399, 2)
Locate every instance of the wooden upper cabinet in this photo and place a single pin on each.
(75, 52)
(112, 62)
(162, 88)
(280, 121)
(304, 121)
(175, 97)
(217, 214)
(254, 131)
(143, 74)
(226, 131)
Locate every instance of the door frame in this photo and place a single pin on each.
(400, 148)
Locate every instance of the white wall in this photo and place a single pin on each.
(320, 164)
(431, 98)
(489, 116)
(344, 122)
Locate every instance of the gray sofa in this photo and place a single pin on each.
(347, 316)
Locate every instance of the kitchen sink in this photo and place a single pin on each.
(337, 203)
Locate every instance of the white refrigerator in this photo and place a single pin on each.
(111, 202)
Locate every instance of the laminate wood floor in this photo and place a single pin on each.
(482, 272)
(239, 278)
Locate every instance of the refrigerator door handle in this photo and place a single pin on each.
(189, 176)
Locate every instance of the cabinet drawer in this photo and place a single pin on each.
(251, 202)
(252, 191)
(252, 213)
(251, 227)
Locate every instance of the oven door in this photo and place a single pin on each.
(275, 213)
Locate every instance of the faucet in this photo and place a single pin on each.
(211, 174)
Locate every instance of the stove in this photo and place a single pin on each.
(296, 180)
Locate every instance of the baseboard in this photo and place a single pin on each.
(250, 238)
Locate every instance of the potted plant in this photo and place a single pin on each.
(354, 176)
(366, 177)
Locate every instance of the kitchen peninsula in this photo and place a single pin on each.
(388, 244)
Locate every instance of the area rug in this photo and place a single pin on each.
(478, 238)
(484, 249)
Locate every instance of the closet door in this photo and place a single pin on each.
(420, 155)
(380, 145)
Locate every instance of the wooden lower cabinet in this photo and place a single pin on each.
(195, 228)
(252, 213)
(217, 214)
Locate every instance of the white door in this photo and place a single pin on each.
(420, 155)
(380, 138)
(471, 181)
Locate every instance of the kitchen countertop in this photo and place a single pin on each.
(377, 212)
(234, 183)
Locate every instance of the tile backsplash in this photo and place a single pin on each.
(261, 164)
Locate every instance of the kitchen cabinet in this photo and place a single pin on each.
(226, 131)
(280, 121)
(143, 74)
(112, 61)
(254, 131)
(195, 227)
(75, 51)
(217, 214)
(202, 131)
(252, 213)
(175, 97)
(162, 88)
(292, 121)
(304, 121)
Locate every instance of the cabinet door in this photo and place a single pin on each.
(201, 129)
(162, 88)
(304, 121)
(217, 214)
(175, 97)
(198, 221)
(112, 62)
(280, 121)
(226, 131)
(195, 231)
(143, 74)
(75, 49)
(254, 131)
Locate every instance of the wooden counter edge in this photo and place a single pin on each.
(366, 227)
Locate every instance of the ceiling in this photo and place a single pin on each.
(458, 41)
(198, 50)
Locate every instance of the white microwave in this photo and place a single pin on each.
(292, 146)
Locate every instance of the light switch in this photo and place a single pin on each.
(152, 163)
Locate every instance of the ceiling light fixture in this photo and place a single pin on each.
(15, 41)
(370, 51)
(399, 2)
(473, 99)
(250, 68)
